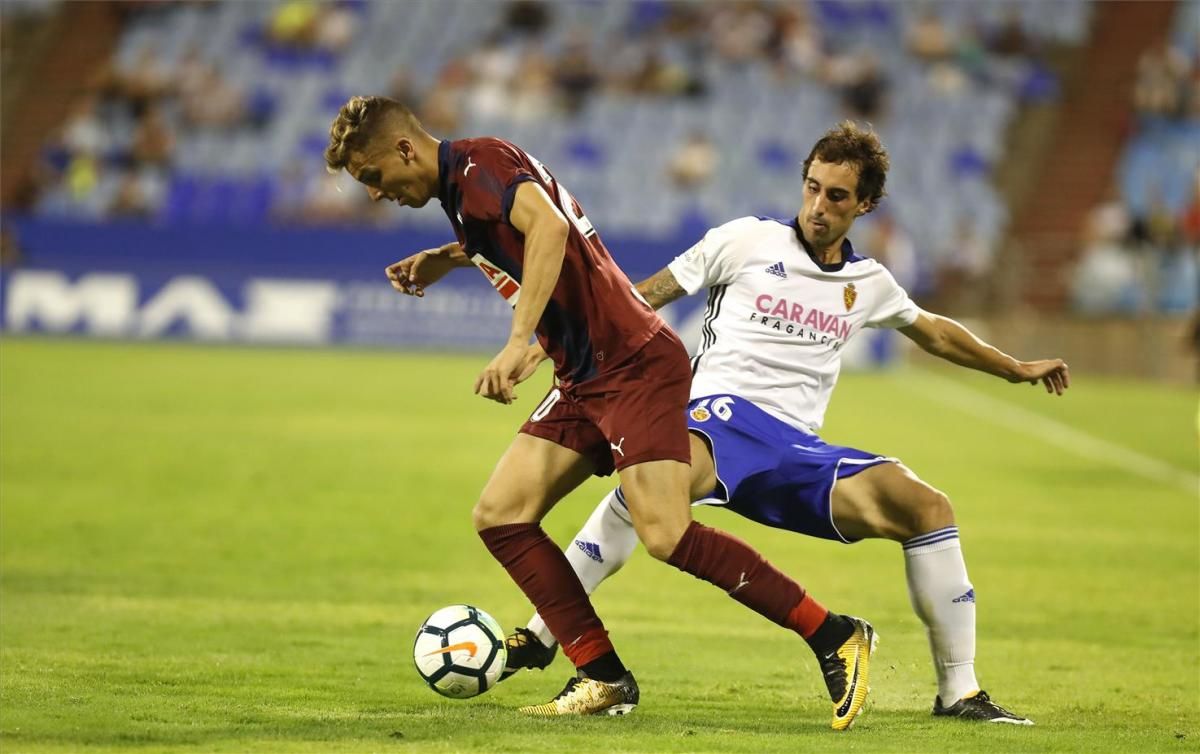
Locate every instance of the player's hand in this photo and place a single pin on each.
(534, 356)
(412, 275)
(1053, 373)
(498, 378)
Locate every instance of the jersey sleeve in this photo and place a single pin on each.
(713, 260)
(893, 307)
(490, 175)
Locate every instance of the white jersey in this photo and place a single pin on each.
(777, 320)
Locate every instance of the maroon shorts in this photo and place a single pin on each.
(633, 413)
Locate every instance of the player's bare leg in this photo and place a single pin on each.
(528, 480)
(656, 494)
(531, 476)
(889, 501)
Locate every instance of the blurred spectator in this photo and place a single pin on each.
(145, 82)
(529, 17)
(82, 176)
(887, 243)
(928, 38)
(655, 77)
(491, 67)
(135, 198)
(1163, 82)
(441, 108)
(1010, 40)
(153, 141)
(796, 43)
(947, 79)
(294, 24)
(191, 73)
(1105, 280)
(693, 163)
(1167, 265)
(971, 55)
(1156, 228)
(440, 111)
(740, 32)
(862, 85)
(575, 74)
(211, 102)
(962, 269)
(334, 27)
(532, 96)
(84, 131)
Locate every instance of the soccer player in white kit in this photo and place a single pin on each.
(783, 300)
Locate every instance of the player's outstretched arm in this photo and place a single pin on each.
(412, 275)
(545, 230)
(661, 288)
(943, 337)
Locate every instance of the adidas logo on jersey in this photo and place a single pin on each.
(968, 597)
(777, 270)
(591, 549)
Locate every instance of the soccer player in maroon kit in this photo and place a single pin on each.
(622, 387)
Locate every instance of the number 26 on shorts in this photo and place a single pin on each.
(722, 407)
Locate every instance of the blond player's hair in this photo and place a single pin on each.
(362, 119)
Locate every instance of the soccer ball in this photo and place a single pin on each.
(460, 651)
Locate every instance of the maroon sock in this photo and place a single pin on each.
(543, 573)
(728, 562)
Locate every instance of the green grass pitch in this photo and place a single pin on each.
(228, 550)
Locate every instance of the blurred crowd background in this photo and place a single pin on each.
(1045, 154)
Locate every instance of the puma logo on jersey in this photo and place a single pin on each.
(742, 582)
(467, 169)
(617, 447)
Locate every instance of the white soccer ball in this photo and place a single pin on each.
(460, 651)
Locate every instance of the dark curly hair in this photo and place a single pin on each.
(848, 144)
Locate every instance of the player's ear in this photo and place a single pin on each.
(405, 148)
(863, 208)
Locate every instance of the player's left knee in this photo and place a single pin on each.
(491, 511)
(929, 511)
(660, 543)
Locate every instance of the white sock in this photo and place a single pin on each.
(944, 600)
(601, 547)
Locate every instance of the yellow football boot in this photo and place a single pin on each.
(847, 673)
(587, 696)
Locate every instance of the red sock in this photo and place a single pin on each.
(728, 562)
(807, 617)
(541, 570)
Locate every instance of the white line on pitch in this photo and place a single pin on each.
(1018, 419)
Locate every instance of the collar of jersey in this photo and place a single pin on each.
(444, 171)
(848, 254)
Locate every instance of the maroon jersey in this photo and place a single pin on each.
(594, 317)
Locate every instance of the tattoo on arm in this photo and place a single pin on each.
(660, 289)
